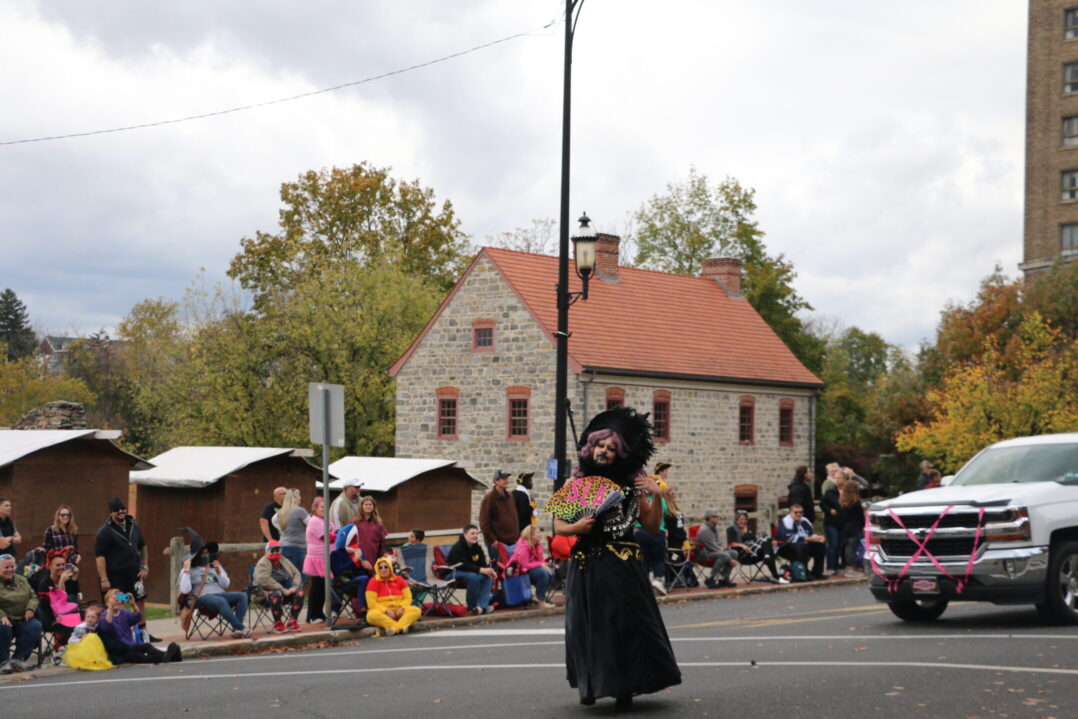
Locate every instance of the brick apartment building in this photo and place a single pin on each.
(1051, 212)
(733, 407)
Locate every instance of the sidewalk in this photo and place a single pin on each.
(317, 635)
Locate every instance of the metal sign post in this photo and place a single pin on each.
(327, 428)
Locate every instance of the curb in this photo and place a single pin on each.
(344, 636)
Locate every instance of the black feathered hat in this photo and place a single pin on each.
(197, 545)
(634, 429)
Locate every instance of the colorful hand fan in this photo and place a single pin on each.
(583, 497)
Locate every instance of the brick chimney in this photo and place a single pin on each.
(607, 248)
(726, 271)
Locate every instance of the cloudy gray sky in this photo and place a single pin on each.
(885, 140)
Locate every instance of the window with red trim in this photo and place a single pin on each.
(447, 420)
(660, 415)
(746, 421)
(483, 335)
(518, 413)
(786, 423)
(615, 397)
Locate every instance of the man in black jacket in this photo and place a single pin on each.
(474, 570)
(833, 518)
(122, 559)
(800, 492)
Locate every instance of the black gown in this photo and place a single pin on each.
(615, 641)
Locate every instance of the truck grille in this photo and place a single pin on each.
(942, 547)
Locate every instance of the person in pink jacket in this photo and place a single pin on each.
(528, 554)
(314, 564)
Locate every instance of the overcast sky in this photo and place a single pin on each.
(884, 140)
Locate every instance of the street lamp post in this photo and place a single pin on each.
(562, 288)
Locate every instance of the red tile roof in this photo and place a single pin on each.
(650, 323)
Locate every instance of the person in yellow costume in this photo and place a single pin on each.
(84, 648)
(389, 600)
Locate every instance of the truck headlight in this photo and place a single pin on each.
(1012, 527)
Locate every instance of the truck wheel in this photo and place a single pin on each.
(918, 610)
(1061, 606)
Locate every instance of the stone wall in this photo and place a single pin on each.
(55, 415)
(704, 446)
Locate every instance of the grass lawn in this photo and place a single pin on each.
(157, 611)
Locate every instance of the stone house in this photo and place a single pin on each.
(733, 407)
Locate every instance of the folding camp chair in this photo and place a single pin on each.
(750, 571)
(204, 622)
(54, 635)
(347, 590)
(560, 565)
(700, 566)
(258, 611)
(441, 584)
(679, 569)
(412, 566)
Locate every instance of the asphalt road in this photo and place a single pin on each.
(820, 653)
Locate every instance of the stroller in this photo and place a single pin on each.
(348, 588)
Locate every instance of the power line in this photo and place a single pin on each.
(278, 101)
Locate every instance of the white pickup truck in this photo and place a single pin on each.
(1003, 530)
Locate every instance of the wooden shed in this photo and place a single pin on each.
(40, 469)
(219, 492)
(430, 494)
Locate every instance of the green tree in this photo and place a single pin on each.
(25, 385)
(693, 221)
(15, 332)
(358, 214)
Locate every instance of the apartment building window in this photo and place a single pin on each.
(1070, 77)
(447, 412)
(660, 415)
(615, 397)
(1070, 185)
(746, 420)
(1070, 131)
(483, 336)
(786, 423)
(518, 405)
(1068, 239)
(1070, 23)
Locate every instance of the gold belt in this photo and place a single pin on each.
(621, 550)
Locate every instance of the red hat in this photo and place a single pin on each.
(273, 544)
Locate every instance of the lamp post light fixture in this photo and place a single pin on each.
(584, 241)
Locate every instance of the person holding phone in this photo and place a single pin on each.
(203, 577)
(118, 627)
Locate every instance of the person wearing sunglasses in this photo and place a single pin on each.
(63, 533)
(121, 557)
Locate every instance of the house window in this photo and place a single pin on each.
(1070, 24)
(1070, 131)
(786, 423)
(483, 336)
(1068, 239)
(1070, 77)
(447, 412)
(660, 415)
(615, 397)
(746, 420)
(518, 400)
(1070, 185)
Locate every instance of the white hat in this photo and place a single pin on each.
(352, 482)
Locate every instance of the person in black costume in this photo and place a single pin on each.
(615, 642)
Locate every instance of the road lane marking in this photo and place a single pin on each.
(762, 664)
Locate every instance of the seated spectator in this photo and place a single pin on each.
(84, 648)
(801, 541)
(414, 555)
(351, 572)
(18, 607)
(852, 514)
(122, 637)
(709, 548)
(528, 555)
(58, 610)
(63, 533)
(750, 549)
(282, 584)
(389, 600)
(207, 582)
(474, 570)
